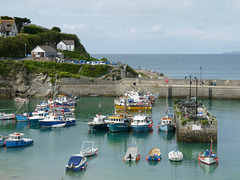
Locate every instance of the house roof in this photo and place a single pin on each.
(68, 42)
(7, 24)
(48, 49)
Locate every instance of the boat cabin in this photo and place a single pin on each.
(15, 136)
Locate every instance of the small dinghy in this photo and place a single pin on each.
(76, 162)
(90, 150)
(132, 154)
(175, 155)
(154, 155)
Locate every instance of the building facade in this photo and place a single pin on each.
(67, 45)
(8, 28)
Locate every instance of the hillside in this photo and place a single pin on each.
(31, 36)
(34, 78)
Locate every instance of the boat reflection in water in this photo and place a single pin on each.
(208, 169)
(166, 135)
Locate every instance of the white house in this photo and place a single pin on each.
(8, 28)
(44, 51)
(66, 45)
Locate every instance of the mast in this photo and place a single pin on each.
(211, 147)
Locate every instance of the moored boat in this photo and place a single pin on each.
(16, 140)
(98, 122)
(22, 117)
(37, 115)
(133, 106)
(118, 123)
(166, 124)
(52, 120)
(208, 157)
(132, 154)
(2, 140)
(55, 120)
(175, 155)
(76, 162)
(4, 116)
(154, 155)
(88, 149)
(19, 99)
(141, 123)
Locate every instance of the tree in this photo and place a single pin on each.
(57, 29)
(32, 30)
(20, 22)
(6, 17)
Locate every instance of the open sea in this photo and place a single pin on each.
(52, 148)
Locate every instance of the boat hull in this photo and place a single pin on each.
(153, 158)
(93, 126)
(118, 127)
(21, 118)
(208, 160)
(70, 123)
(50, 123)
(2, 142)
(166, 127)
(142, 128)
(23, 142)
(175, 156)
(76, 165)
(134, 108)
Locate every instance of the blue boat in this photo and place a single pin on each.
(22, 118)
(2, 140)
(141, 123)
(54, 120)
(154, 155)
(166, 124)
(118, 123)
(17, 140)
(76, 162)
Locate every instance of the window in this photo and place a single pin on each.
(8, 25)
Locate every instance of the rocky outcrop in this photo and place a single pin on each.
(25, 85)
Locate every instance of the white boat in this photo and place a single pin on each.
(37, 115)
(4, 116)
(175, 155)
(98, 122)
(90, 150)
(141, 123)
(132, 154)
(208, 157)
(19, 99)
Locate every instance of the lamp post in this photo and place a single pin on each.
(196, 95)
(25, 51)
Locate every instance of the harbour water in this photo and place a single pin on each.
(46, 159)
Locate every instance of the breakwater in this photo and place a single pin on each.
(194, 123)
(174, 88)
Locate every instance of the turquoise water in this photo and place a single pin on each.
(46, 159)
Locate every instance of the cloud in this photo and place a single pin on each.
(74, 27)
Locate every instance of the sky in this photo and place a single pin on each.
(139, 26)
